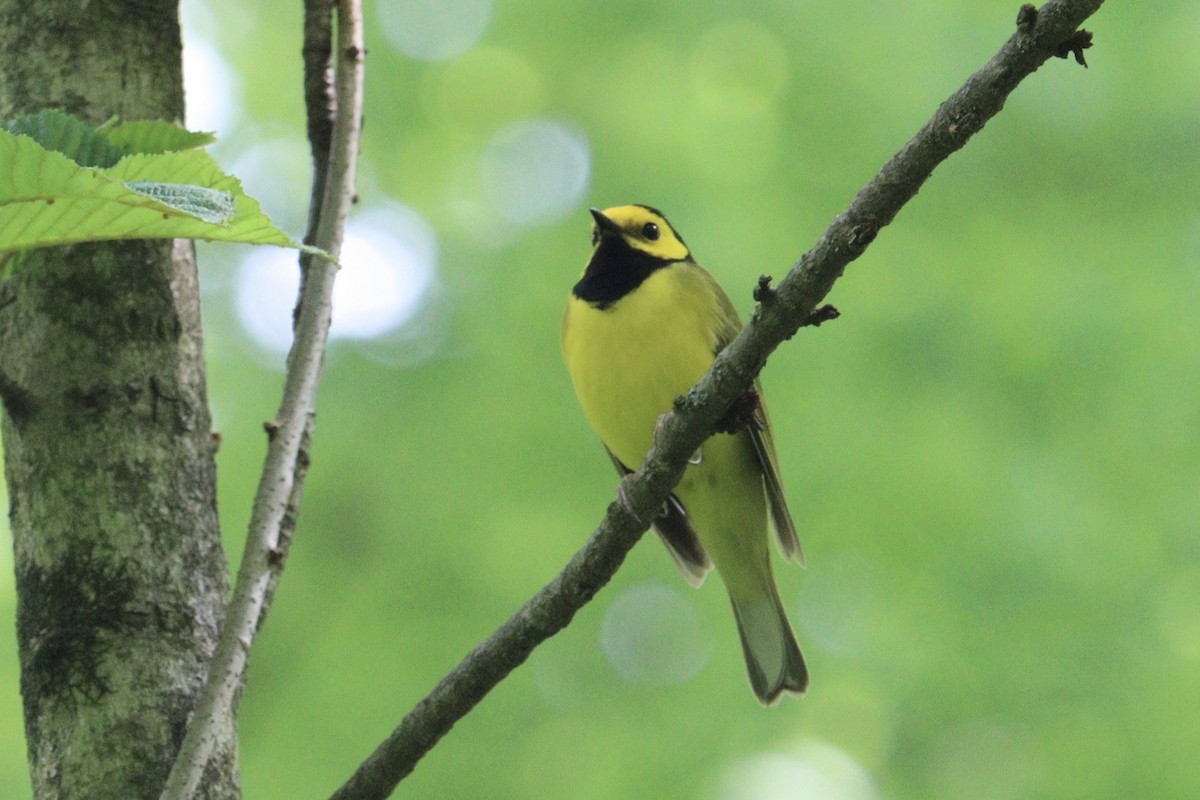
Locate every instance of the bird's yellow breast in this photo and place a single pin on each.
(629, 362)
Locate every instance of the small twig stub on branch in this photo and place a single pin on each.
(1081, 41)
(763, 293)
(1027, 18)
(822, 314)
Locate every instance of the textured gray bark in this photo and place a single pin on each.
(108, 453)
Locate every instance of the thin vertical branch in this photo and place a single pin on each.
(319, 101)
(262, 560)
(320, 104)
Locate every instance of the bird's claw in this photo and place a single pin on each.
(660, 431)
(660, 427)
(742, 414)
(625, 498)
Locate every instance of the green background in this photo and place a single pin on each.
(992, 455)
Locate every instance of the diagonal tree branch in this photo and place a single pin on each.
(278, 491)
(780, 314)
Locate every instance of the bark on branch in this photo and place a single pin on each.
(778, 316)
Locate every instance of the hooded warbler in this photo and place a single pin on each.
(642, 325)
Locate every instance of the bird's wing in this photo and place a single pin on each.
(781, 517)
(727, 328)
(676, 532)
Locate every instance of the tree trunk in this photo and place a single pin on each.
(120, 574)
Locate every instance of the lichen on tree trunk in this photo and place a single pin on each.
(108, 451)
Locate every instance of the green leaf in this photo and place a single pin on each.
(248, 223)
(47, 199)
(71, 136)
(156, 136)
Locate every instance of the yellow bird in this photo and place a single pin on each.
(641, 326)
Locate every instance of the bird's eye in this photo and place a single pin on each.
(650, 231)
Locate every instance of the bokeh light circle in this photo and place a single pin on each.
(434, 30)
(388, 265)
(212, 88)
(535, 171)
(651, 634)
(816, 771)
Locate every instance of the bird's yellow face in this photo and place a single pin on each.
(629, 244)
(642, 228)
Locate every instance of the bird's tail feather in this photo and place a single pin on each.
(772, 656)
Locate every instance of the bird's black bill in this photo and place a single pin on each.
(604, 224)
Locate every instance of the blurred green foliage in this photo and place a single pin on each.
(993, 454)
